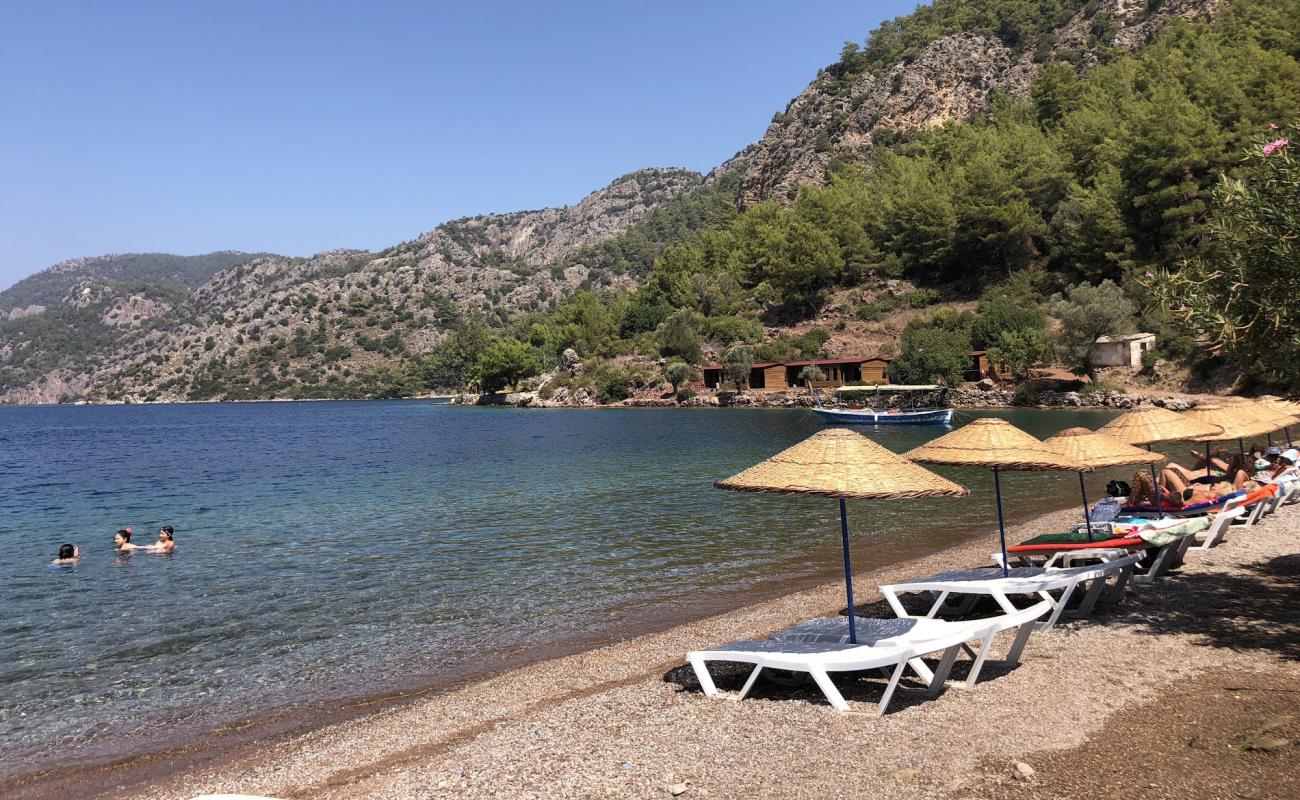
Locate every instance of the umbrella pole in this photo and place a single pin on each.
(848, 571)
(1208, 474)
(1155, 487)
(1002, 525)
(1241, 448)
(1087, 517)
(1270, 440)
(1288, 436)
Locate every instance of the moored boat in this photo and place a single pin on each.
(844, 413)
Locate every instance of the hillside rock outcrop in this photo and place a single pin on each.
(952, 78)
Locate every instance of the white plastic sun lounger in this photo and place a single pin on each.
(871, 630)
(973, 583)
(819, 657)
(1215, 533)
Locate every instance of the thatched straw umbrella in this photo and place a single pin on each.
(994, 444)
(846, 465)
(1271, 419)
(1098, 451)
(1289, 408)
(1234, 422)
(1148, 425)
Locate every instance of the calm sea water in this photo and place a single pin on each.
(341, 550)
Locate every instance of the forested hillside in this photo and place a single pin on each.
(50, 286)
(1100, 177)
(1014, 176)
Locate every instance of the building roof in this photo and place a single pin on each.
(751, 366)
(1127, 337)
(820, 361)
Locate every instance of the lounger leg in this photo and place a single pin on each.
(1057, 607)
(749, 684)
(1116, 593)
(963, 605)
(944, 668)
(1005, 603)
(1157, 566)
(894, 603)
(702, 675)
(1018, 646)
(832, 694)
(889, 690)
(1090, 598)
(975, 668)
(938, 604)
(922, 671)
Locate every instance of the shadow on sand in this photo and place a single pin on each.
(1257, 609)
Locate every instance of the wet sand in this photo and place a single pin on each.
(628, 721)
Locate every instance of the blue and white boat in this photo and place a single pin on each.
(844, 413)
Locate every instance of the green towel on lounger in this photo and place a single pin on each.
(1100, 533)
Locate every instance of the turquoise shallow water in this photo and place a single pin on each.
(340, 550)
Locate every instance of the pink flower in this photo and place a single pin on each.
(1273, 146)
(1273, 126)
(1150, 275)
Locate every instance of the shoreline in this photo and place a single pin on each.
(992, 400)
(228, 743)
(624, 720)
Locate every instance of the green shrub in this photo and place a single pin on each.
(728, 330)
(612, 385)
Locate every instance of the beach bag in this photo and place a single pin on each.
(1107, 508)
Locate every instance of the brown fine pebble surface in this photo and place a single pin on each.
(1111, 702)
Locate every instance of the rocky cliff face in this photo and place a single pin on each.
(954, 77)
(288, 323)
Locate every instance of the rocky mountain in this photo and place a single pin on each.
(50, 286)
(329, 325)
(950, 78)
(344, 323)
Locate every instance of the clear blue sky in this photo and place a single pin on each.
(297, 127)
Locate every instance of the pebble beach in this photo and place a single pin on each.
(629, 720)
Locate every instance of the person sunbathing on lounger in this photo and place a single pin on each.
(1218, 461)
(1283, 468)
(1235, 478)
(1144, 496)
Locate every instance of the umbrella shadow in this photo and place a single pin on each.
(1257, 609)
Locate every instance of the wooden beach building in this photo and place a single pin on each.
(775, 377)
(981, 367)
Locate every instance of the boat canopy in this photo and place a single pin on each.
(887, 387)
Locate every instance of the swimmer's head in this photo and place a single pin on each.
(166, 533)
(123, 536)
(67, 551)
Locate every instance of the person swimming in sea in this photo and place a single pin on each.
(122, 541)
(166, 541)
(68, 554)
